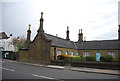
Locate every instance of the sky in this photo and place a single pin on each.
(99, 19)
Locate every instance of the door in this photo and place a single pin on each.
(66, 53)
(98, 56)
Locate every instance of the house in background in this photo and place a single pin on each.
(46, 47)
(6, 45)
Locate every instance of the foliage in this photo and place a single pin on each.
(18, 42)
(74, 58)
(83, 58)
(116, 59)
(108, 58)
(89, 58)
(102, 59)
(62, 56)
(69, 58)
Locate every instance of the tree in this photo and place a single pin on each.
(18, 42)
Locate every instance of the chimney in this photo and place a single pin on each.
(56, 35)
(84, 38)
(67, 34)
(80, 36)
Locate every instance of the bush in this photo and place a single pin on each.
(69, 58)
(62, 57)
(83, 58)
(89, 58)
(116, 59)
(102, 59)
(108, 58)
(74, 58)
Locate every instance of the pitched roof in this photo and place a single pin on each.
(3, 35)
(85, 45)
(105, 44)
(60, 42)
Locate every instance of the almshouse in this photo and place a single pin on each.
(46, 47)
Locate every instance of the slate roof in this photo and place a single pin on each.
(60, 42)
(105, 45)
(3, 35)
(85, 45)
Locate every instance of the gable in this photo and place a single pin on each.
(3, 35)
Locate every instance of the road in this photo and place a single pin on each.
(15, 70)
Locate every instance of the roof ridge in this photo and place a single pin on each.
(101, 40)
(59, 37)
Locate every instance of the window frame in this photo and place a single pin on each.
(112, 53)
(86, 53)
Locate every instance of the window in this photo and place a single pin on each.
(66, 53)
(86, 53)
(59, 52)
(77, 54)
(111, 53)
(72, 53)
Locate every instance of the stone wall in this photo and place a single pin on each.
(39, 50)
(23, 55)
(103, 52)
(63, 51)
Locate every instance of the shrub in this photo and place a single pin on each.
(89, 58)
(108, 58)
(62, 56)
(83, 58)
(74, 58)
(102, 58)
(115, 60)
(68, 57)
(118, 59)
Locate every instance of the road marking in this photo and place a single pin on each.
(42, 76)
(60, 67)
(7, 69)
(1, 61)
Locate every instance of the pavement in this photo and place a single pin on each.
(80, 69)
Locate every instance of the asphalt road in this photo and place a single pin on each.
(15, 70)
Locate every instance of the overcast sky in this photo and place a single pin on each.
(97, 18)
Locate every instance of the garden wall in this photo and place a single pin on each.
(101, 65)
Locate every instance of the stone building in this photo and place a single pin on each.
(46, 47)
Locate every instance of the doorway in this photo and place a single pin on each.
(98, 56)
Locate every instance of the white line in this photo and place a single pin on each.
(60, 67)
(7, 69)
(1, 61)
(42, 76)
